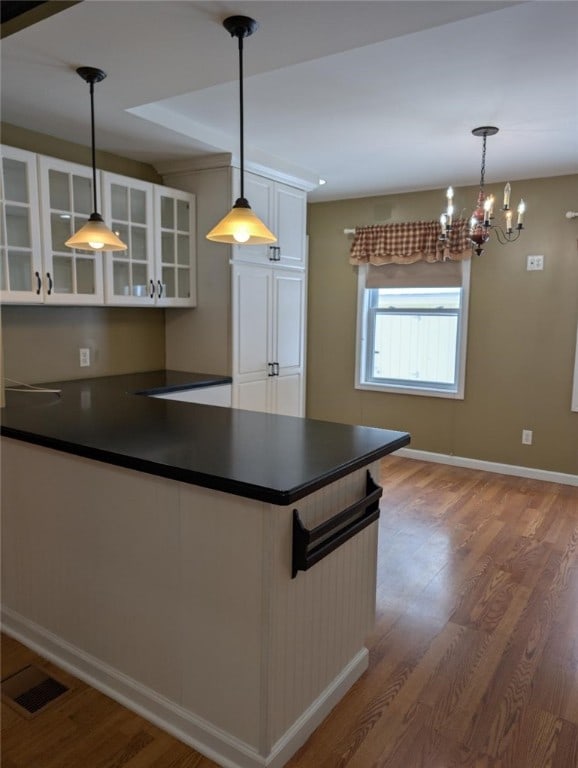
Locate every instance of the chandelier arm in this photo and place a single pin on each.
(504, 237)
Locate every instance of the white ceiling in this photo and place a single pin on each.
(376, 97)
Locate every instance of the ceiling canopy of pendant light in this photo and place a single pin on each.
(241, 226)
(94, 235)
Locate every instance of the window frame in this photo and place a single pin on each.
(364, 336)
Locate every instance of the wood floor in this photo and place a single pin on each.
(473, 660)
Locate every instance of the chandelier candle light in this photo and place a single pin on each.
(241, 226)
(483, 215)
(94, 235)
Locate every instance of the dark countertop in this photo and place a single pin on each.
(271, 458)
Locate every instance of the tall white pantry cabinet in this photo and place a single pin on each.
(250, 320)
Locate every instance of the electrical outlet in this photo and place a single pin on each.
(534, 263)
(84, 357)
(527, 436)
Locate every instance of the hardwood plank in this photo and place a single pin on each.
(473, 657)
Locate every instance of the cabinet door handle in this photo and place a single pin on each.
(272, 253)
(160, 290)
(278, 253)
(49, 283)
(152, 294)
(38, 283)
(275, 369)
(271, 368)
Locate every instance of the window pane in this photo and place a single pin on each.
(138, 243)
(168, 248)
(169, 291)
(415, 347)
(17, 231)
(119, 202)
(62, 274)
(183, 250)
(59, 190)
(184, 287)
(167, 215)
(61, 230)
(138, 206)
(20, 270)
(15, 183)
(85, 276)
(183, 215)
(420, 298)
(82, 192)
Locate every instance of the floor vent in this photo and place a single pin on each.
(30, 690)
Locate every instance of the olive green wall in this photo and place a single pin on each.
(521, 337)
(75, 153)
(41, 343)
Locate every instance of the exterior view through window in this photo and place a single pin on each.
(412, 339)
(413, 335)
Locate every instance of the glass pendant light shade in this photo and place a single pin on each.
(95, 236)
(241, 226)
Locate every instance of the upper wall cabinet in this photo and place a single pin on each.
(128, 210)
(157, 224)
(20, 258)
(44, 200)
(175, 247)
(70, 276)
(283, 209)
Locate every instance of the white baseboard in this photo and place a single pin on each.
(490, 466)
(210, 741)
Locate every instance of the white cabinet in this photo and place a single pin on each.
(268, 339)
(20, 255)
(70, 276)
(283, 209)
(128, 210)
(43, 201)
(158, 226)
(175, 248)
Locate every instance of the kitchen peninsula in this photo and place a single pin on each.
(212, 568)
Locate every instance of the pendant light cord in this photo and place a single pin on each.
(241, 118)
(95, 210)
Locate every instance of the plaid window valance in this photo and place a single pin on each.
(408, 242)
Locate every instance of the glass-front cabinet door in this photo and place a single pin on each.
(128, 211)
(71, 276)
(175, 248)
(20, 255)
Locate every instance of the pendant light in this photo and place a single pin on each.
(94, 235)
(241, 226)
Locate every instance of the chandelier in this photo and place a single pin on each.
(481, 220)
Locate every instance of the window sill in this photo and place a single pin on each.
(420, 391)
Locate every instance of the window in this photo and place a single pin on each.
(412, 327)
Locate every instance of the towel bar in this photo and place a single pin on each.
(311, 546)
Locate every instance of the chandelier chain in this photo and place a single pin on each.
(483, 170)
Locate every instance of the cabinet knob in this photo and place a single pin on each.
(38, 283)
(49, 283)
